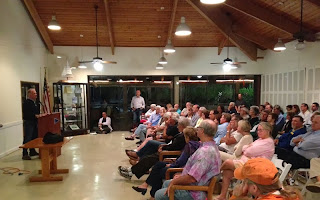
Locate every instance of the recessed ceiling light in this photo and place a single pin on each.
(81, 35)
(59, 57)
(159, 36)
(161, 8)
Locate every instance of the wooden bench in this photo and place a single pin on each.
(48, 154)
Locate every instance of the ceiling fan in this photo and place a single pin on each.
(301, 36)
(97, 59)
(228, 60)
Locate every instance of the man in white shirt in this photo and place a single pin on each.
(305, 114)
(137, 104)
(104, 124)
(314, 107)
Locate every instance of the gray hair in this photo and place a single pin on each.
(245, 125)
(203, 109)
(255, 109)
(232, 103)
(184, 122)
(167, 115)
(209, 127)
(267, 127)
(153, 105)
(175, 116)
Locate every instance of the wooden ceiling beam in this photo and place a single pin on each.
(222, 44)
(216, 17)
(109, 24)
(267, 43)
(173, 16)
(315, 2)
(37, 21)
(265, 15)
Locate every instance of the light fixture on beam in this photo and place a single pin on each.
(169, 48)
(212, 1)
(53, 24)
(183, 29)
(279, 46)
(163, 60)
(159, 66)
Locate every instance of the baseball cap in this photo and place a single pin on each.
(259, 170)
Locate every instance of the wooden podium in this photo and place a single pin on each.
(50, 123)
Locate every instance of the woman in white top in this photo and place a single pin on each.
(234, 150)
(104, 124)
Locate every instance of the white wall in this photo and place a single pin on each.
(291, 76)
(22, 53)
(142, 61)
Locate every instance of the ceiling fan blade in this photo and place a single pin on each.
(108, 62)
(238, 63)
(216, 63)
(85, 61)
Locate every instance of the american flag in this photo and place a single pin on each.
(46, 95)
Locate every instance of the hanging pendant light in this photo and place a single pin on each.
(67, 72)
(163, 60)
(280, 46)
(183, 29)
(169, 48)
(159, 66)
(212, 1)
(53, 24)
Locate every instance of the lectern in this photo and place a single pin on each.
(50, 123)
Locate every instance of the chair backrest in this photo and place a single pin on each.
(282, 167)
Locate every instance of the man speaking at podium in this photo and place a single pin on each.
(31, 113)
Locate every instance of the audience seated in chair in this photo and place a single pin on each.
(184, 111)
(222, 128)
(195, 116)
(287, 126)
(260, 178)
(151, 151)
(305, 114)
(272, 118)
(199, 170)
(262, 147)
(297, 129)
(263, 118)
(244, 113)
(159, 169)
(203, 113)
(234, 150)
(281, 120)
(142, 128)
(254, 116)
(305, 147)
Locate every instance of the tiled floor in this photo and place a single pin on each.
(93, 162)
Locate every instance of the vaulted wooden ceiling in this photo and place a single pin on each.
(251, 24)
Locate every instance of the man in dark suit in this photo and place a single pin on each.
(30, 122)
